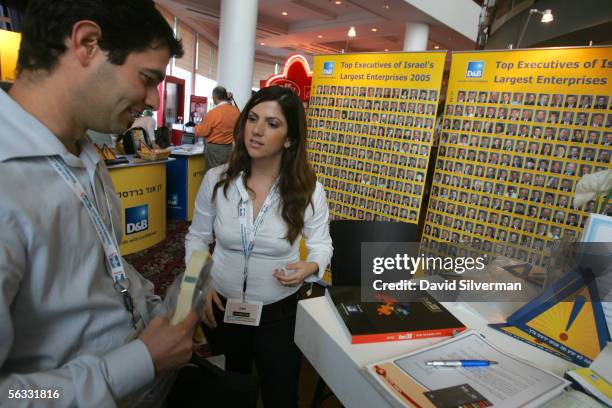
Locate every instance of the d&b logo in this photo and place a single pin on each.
(136, 219)
(328, 68)
(475, 69)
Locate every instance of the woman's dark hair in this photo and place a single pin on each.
(296, 177)
(127, 26)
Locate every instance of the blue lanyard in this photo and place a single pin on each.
(249, 244)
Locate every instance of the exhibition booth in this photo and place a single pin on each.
(141, 187)
(497, 165)
(498, 162)
(185, 174)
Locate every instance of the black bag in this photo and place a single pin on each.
(129, 144)
(203, 384)
(162, 137)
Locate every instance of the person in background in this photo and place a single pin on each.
(256, 208)
(146, 122)
(76, 320)
(217, 128)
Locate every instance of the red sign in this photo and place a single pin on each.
(287, 83)
(296, 75)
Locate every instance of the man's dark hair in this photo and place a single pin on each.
(127, 26)
(220, 93)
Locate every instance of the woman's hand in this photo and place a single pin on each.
(209, 315)
(296, 273)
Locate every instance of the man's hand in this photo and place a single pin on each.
(296, 273)
(170, 346)
(209, 316)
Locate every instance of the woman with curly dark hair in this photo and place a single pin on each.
(258, 206)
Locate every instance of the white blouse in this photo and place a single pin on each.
(271, 250)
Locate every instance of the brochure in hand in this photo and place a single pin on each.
(369, 322)
(193, 286)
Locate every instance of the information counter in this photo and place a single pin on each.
(141, 187)
(184, 174)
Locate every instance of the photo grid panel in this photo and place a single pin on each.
(508, 164)
(370, 141)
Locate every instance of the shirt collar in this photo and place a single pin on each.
(243, 191)
(220, 104)
(241, 186)
(24, 136)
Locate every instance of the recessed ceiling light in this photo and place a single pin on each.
(338, 2)
(319, 36)
(374, 29)
(437, 47)
(386, 6)
(386, 49)
(284, 13)
(262, 43)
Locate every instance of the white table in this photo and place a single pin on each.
(326, 345)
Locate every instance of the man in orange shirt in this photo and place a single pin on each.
(217, 129)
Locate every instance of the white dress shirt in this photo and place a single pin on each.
(62, 324)
(271, 249)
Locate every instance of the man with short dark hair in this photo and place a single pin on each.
(75, 318)
(217, 129)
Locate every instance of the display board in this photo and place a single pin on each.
(520, 128)
(371, 120)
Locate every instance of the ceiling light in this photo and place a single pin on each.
(374, 29)
(437, 47)
(319, 36)
(262, 43)
(386, 6)
(351, 32)
(338, 2)
(284, 13)
(547, 16)
(386, 49)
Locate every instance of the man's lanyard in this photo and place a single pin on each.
(109, 243)
(247, 245)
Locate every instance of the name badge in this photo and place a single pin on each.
(239, 312)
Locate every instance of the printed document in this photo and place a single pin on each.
(510, 383)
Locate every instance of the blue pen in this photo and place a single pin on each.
(460, 363)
